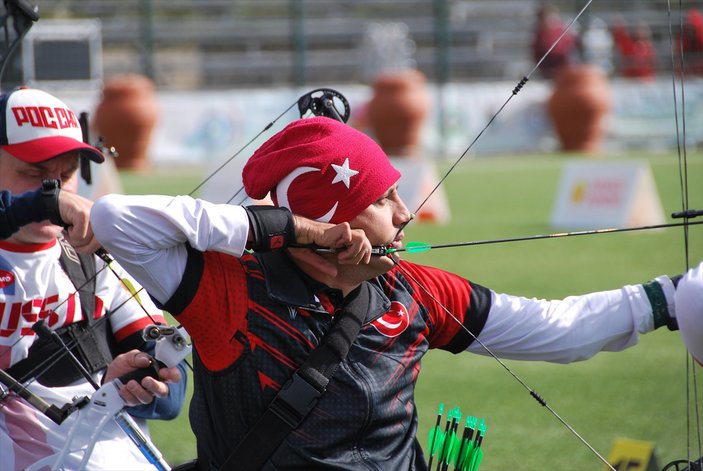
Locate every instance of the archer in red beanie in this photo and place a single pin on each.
(300, 366)
(321, 169)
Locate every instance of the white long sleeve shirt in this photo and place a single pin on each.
(146, 234)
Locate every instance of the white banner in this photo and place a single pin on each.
(598, 194)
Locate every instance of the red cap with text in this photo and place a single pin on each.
(37, 126)
(321, 169)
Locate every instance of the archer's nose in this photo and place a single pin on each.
(402, 214)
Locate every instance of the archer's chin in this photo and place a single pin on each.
(39, 233)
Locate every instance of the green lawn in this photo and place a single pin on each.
(640, 393)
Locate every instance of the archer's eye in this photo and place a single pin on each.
(390, 195)
(382, 200)
(33, 174)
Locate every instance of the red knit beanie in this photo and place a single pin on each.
(321, 169)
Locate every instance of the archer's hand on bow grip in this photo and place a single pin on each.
(138, 366)
(689, 311)
(140, 373)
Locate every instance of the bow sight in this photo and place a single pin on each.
(324, 102)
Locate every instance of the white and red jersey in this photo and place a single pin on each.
(34, 286)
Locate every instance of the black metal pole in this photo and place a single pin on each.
(297, 9)
(147, 33)
(442, 64)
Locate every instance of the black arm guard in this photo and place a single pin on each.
(29, 207)
(272, 227)
(657, 299)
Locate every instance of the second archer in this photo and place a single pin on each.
(309, 360)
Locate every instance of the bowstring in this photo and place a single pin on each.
(681, 147)
(241, 149)
(683, 176)
(46, 364)
(490, 121)
(52, 360)
(691, 400)
(536, 396)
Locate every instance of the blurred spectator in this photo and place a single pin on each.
(548, 28)
(597, 44)
(692, 42)
(637, 54)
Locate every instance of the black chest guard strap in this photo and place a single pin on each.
(302, 391)
(90, 340)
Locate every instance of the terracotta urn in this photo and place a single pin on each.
(397, 110)
(578, 107)
(125, 119)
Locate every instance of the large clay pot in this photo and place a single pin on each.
(397, 110)
(125, 119)
(578, 106)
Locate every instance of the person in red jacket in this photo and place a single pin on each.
(636, 50)
(548, 28)
(692, 43)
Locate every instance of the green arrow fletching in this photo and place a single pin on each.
(417, 247)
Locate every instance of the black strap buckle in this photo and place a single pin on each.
(295, 400)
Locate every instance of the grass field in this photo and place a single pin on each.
(639, 394)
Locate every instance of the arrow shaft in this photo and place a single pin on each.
(549, 236)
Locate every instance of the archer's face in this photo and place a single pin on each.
(19, 177)
(381, 222)
(382, 219)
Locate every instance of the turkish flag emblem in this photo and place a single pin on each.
(393, 322)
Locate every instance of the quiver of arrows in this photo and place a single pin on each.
(451, 448)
